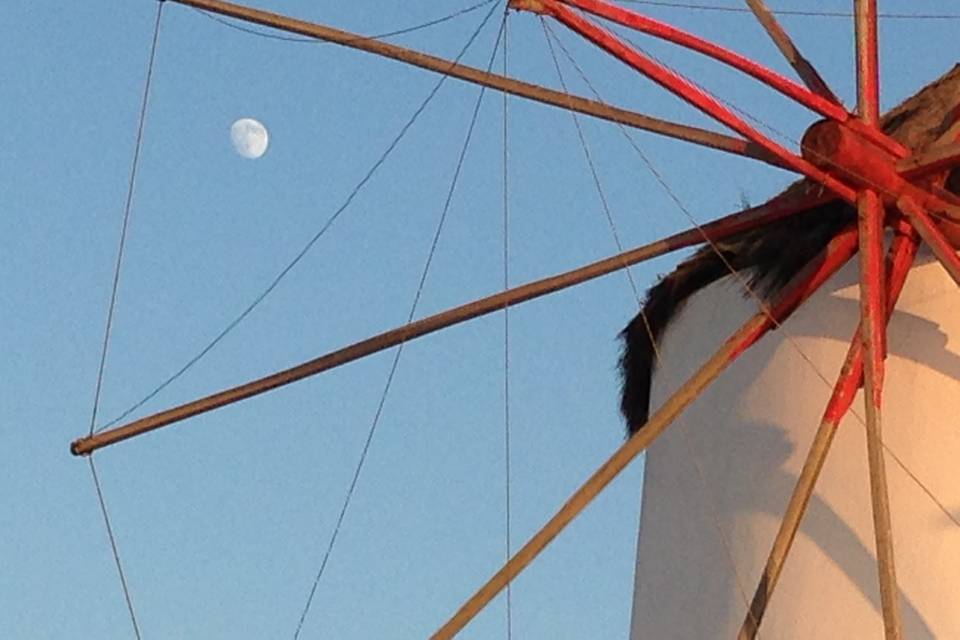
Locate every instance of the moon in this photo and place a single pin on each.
(249, 138)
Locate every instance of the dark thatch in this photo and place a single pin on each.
(769, 257)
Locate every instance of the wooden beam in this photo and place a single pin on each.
(518, 88)
(871, 213)
(933, 160)
(902, 254)
(837, 253)
(808, 74)
(692, 93)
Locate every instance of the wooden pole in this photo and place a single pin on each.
(526, 90)
(838, 252)
(937, 158)
(902, 254)
(801, 65)
(828, 108)
(945, 252)
(870, 214)
(714, 231)
(692, 94)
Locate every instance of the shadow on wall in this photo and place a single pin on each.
(685, 576)
(821, 524)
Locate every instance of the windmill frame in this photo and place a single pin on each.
(846, 156)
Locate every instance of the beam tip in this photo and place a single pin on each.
(77, 448)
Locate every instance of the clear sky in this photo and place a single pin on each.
(222, 521)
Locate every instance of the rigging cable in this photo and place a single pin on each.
(138, 145)
(379, 36)
(728, 548)
(506, 335)
(381, 160)
(676, 199)
(113, 548)
(399, 352)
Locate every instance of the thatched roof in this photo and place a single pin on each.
(771, 256)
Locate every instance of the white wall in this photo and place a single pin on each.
(731, 461)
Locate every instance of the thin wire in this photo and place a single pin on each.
(589, 158)
(792, 12)
(313, 240)
(551, 36)
(126, 218)
(399, 352)
(920, 484)
(508, 551)
(113, 547)
(380, 36)
(741, 280)
(787, 138)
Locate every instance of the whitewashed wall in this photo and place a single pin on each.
(731, 461)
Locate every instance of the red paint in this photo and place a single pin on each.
(805, 284)
(815, 102)
(640, 22)
(872, 277)
(693, 94)
(900, 259)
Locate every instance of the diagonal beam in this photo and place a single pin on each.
(872, 331)
(901, 256)
(826, 107)
(714, 231)
(692, 94)
(518, 88)
(818, 271)
(801, 65)
(938, 158)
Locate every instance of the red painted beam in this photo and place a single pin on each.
(837, 253)
(691, 93)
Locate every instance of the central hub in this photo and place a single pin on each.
(846, 155)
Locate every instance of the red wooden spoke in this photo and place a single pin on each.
(945, 252)
(776, 209)
(692, 94)
(868, 79)
(823, 106)
(838, 150)
(870, 209)
(899, 260)
(827, 108)
(932, 160)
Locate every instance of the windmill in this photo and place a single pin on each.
(846, 157)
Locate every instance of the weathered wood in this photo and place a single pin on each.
(715, 231)
(801, 65)
(933, 160)
(839, 251)
(518, 88)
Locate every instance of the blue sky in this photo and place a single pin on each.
(221, 521)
